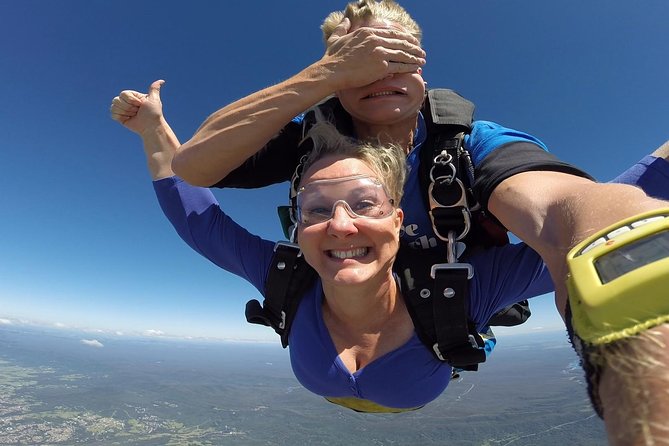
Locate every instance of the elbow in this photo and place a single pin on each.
(187, 168)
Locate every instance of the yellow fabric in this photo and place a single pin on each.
(362, 405)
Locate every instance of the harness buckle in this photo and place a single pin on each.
(437, 350)
(441, 161)
(452, 266)
(460, 202)
(288, 246)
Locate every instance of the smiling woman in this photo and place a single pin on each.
(352, 322)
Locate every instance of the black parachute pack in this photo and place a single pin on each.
(435, 291)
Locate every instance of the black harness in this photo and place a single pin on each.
(435, 292)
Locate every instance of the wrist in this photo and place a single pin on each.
(324, 74)
(159, 129)
(160, 165)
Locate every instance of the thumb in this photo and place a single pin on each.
(154, 89)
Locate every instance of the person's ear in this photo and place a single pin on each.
(399, 218)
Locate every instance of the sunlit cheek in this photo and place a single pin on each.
(307, 240)
(385, 231)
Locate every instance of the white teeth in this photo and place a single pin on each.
(382, 93)
(349, 254)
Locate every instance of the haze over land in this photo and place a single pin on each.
(69, 388)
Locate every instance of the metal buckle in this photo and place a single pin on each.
(442, 266)
(289, 245)
(437, 352)
(462, 202)
(281, 265)
(442, 160)
(435, 347)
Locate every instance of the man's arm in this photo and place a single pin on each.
(662, 151)
(553, 211)
(634, 388)
(234, 133)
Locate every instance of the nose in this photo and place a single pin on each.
(341, 224)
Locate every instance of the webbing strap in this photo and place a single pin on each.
(436, 295)
(455, 342)
(288, 279)
(279, 276)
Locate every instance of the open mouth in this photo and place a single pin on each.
(384, 93)
(348, 253)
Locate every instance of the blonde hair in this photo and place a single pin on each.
(366, 9)
(388, 161)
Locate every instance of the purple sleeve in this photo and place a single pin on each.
(200, 222)
(651, 174)
(505, 275)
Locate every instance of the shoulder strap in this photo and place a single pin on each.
(447, 173)
(446, 107)
(445, 170)
(447, 176)
(329, 109)
(289, 277)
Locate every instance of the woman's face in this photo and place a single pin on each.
(388, 101)
(347, 250)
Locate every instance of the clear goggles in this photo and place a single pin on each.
(361, 196)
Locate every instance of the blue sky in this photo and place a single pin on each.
(82, 240)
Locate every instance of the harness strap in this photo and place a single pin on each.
(436, 296)
(444, 167)
(288, 279)
(455, 342)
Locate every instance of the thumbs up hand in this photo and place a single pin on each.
(139, 112)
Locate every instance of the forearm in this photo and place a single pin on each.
(236, 132)
(662, 151)
(160, 145)
(552, 212)
(634, 388)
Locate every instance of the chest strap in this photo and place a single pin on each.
(438, 304)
